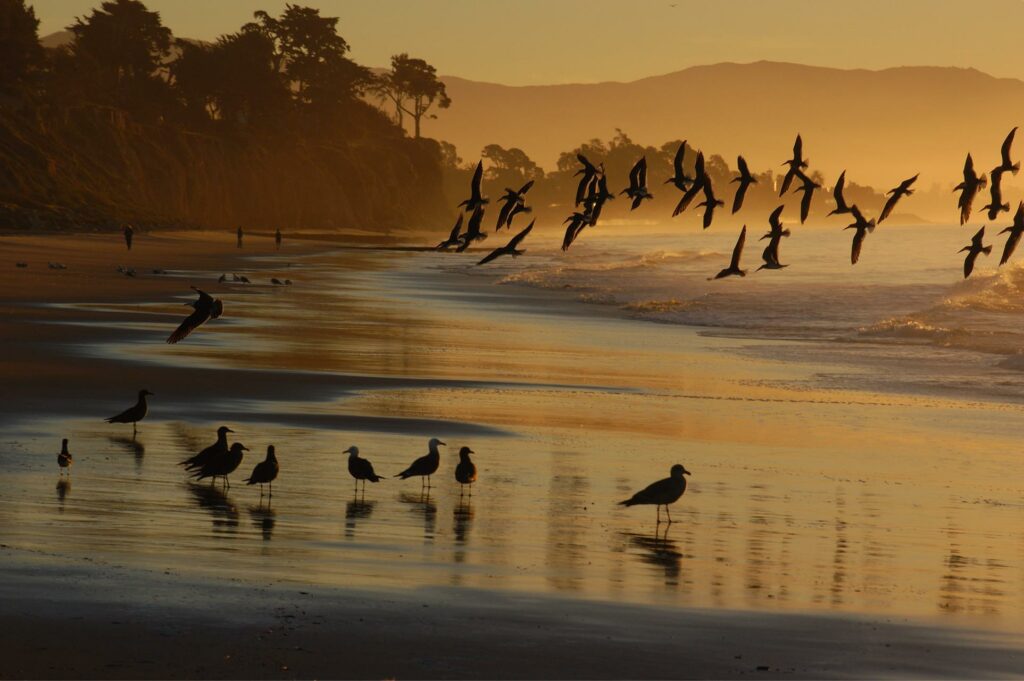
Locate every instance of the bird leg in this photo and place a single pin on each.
(261, 490)
(659, 514)
(668, 514)
(271, 488)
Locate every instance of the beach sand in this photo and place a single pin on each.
(827, 532)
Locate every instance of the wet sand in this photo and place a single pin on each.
(798, 547)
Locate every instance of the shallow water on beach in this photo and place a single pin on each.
(833, 468)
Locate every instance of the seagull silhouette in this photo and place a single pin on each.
(896, 194)
(476, 198)
(745, 179)
(663, 492)
(734, 264)
(973, 249)
(206, 307)
(1015, 230)
(510, 248)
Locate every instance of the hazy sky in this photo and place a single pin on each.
(558, 41)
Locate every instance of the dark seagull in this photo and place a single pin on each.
(360, 468)
(837, 194)
(637, 189)
(589, 171)
(969, 189)
(222, 465)
(973, 249)
(680, 180)
(863, 227)
(661, 493)
(453, 238)
(775, 229)
(995, 205)
(514, 202)
(476, 199)
(709, 202)
(473, 232)
(206, 307)
(265, 471)
(699, 178)
(511, 248)
(465, 471)
(218, 448)
(745, 179)
(1015, 230)
(897, 194)
(734, 264)
(426, 465)
(64, 458)
(796, 164)
(807, 186)
(1005, 164)
(134, 413)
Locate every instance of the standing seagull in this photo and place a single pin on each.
(473, 232)
(996, 205)
(709, 202)
(265, 471)
(796, 164)
(973, 249)
(359, 468)
(863, 227)
(218, 448)
(734, 264)
(837, 194)
(679, 177)
(129, 232)
(745, 179)
(807, 186)
(453, 238)
(223, 465)
(514, 203)
(465, 471)
(510, 248)
(133, 414)
(699, 178)
(662, 493)
(426, 465)
(969, 189)
(476, 199)
(897, 193)
(637, 189)
(1005, 164)
(64, 459)
(1015, 230)
(205, 307)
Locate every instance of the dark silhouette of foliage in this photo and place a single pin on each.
(413, 87)
(20, 53)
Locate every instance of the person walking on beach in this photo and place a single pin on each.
(239, 234)
(128, 234)
(277, 238)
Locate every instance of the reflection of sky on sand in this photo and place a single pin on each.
(802, 497)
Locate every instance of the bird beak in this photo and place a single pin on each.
(228, 430)
(442, 443)
(686, 472)
(245, 448)
(472, 452)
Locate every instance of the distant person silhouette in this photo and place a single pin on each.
(239, 234)
(277, 238)
(128, 234)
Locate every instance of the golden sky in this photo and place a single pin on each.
(559, 41)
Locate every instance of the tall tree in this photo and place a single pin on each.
(413, 87)
(20, 52)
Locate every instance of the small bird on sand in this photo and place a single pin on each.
(734, 264)
(206, 307)
(129, 233)
(218, 448)
(426, 465)
(899, 192)
(973, 249)
(511, 248)
(862, 226)
(465, 471)
(1015, 230)
(360, 468)
(265, 471)
(64, 459)
(837, 194)
(134, 413)
(476, 199)
(661, 493)
(223, 465)
(745, 179)
(637, 189)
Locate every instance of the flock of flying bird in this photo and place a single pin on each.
(592, 194)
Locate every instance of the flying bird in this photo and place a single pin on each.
(973, 249)
(807, 186)
(797, 163)
(734, 264)
(360, 468)
(896, 194)
(745, 179)
(265, 471)
(637, 189)
(770, 255)
(709, 202)
(1015, 230)
(775, 225)
(679, 178)
(577, 221)
(514, 203)
(134, 413)
(837, 194)
(453, 238)
(1005, 164)
(699, 178)
(473, 232)
(205, 307)
(661, 493)
(597, 196)
(969, 189)
(465, 471)
(510, 248)
(426, 465)
(863, 227)
(589, 171)
(996, 205)
(476, 198)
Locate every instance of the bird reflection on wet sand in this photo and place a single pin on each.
(422, 504)
(133, 446)
(216, 501)
(660, 551)
(463, 518)
(63, 487)
(263, 519)
(356, 510)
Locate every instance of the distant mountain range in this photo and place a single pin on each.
(880, 125)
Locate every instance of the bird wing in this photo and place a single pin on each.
(798, 149)
(857, 215)
(969, 169)
(677, 162)
(837, 192)
(189, 324)
(905, 184)
(478, 175)
(519, 237)
(742, 164)
(659, 492)
(581, 188)
(969, 262)
(503, 214)
(1011, 245)
(496, 253)
(525, 188)
(204, 298)
(641, 175)
(698, 167)
(787, 180)
(889, 204)
(688, 197)
(709, 214)
(771, 252)
(454, 236)
(587, 165)
(805, 203)
(1005, 150)
(737, 201)
(737, 250)
(473, 228)
(634, 175)
(858, 239)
